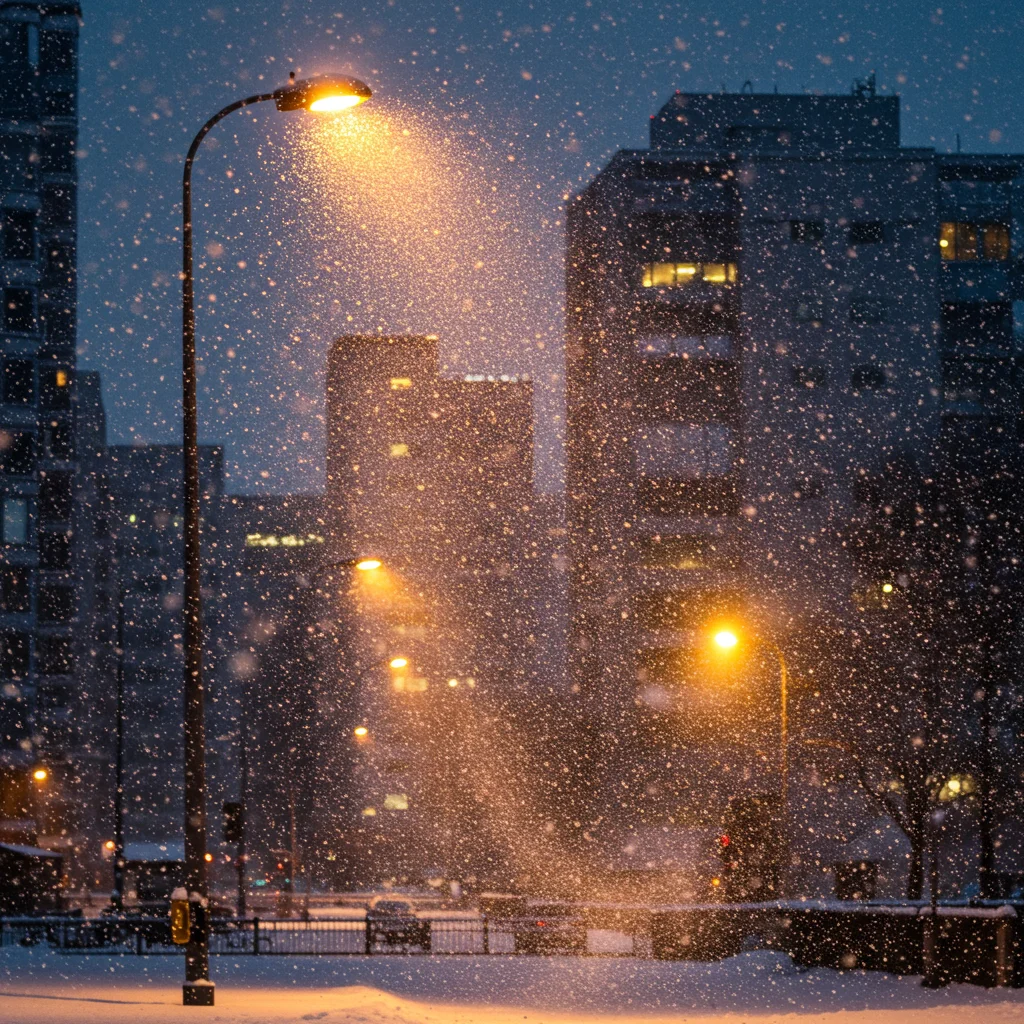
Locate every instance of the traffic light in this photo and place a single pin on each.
(233, 823)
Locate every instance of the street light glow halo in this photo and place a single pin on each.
(726, 639)
(368, 564)
(322, 94)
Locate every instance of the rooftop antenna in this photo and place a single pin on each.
(747, 88)
(864, 88)
(721, 87)
(958, 142)
(776, 88)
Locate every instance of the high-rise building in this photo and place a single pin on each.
(429, 496)
(41, 701)
(146, 519)
(770, 310)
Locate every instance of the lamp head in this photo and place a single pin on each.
(322, 94)
(726, 639)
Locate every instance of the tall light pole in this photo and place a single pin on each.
(325, 94)
(727, 640)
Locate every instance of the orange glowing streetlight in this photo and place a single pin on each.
(398, 662)
(369, 564)
(361, 732)
(40, 774)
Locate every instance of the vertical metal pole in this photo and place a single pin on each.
(783, 766)
(117, 896)
(243, 786)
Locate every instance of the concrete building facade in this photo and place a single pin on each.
(771, 307)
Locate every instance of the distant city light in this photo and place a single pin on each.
(398, 662)
(361, 731)
(401, 383)
(40, 775)
(108, 845)
(886, 588)
(208, 857)
(453, 682)
(271, 540)
(368, 564)
(132, 518)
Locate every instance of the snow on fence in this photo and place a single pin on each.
(977, 945)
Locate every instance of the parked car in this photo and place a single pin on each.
(552, 928)
(393, 924)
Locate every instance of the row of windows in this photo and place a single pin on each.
(675, 275)
(54, 655)
(864, 377)
(53, 503)
(960, 241)
(866, 232)
(863, 312)
(19, 384)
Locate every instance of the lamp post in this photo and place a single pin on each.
(726, 640)
(324, 94)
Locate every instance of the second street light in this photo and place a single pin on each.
(325, 94)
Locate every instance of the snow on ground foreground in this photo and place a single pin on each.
(38, 986)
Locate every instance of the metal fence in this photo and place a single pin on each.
(436, 934)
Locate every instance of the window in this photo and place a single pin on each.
(959, 241)
(59, 263)
(15, 521)
(19, 309)
(54, 656)
(676, 275)
(867, 377)
(401, 383)
(867, 312)
(58, 441)
(59, 103)
(55, 388)
(19, 381)
(19, 235)
(661, 346)
(972, 324)
(55, 496)
(59, 204)
(32, 45)
(811, 376)
(809, 310)
(15, 589)
(58, 153)
(55, 603)
(684, 551)
(14, 655)
(396, 802)
(57, 51)
(683, 450)
(17, 453)
(400, 451)
(55, 551)
(866, 232)
(995, 241)
(808, 231)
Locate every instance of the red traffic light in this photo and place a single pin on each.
(724, 841)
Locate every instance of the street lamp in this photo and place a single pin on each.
(323, 94)
(727, 640)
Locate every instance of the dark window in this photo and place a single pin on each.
(19, 309)
(56, 52)
(866, 312)
(866, 232)
(995, 241)
(19, 381)
(867, 377)
(55, 497)
(58, 153)
(55, 388)
(58, 441)
(55, 603)
(970, 324)
(55, 550)
(812, 376)
(806, 230)
(59, 204)
(60, 103)
(60, 326)
(54, 656)
(684, 551)
(60, 263)
(709, 496)
(19, 234)
(14, 655)
(16, 589)
(17, 453)
(808, 310)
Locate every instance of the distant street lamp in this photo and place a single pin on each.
(323, 94)
(727, 640)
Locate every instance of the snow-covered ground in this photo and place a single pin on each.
(38, 986)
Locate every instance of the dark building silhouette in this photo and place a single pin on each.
(773, 311)
(429, 504)
(42, 700)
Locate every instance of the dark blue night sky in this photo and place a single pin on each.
(535, 96)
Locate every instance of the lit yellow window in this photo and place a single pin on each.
(947, 240)
(659, 275)
(62, 378)
(672, 275)
(399, 451)
(369, 812)
(396, 802)
(400, 383)
(995, 241)
(715, 273)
